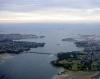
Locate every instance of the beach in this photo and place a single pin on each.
(76, 75)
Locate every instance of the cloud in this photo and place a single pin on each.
(29, 5)
(49, 10)
(52, 15)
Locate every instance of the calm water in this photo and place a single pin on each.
(33, 66)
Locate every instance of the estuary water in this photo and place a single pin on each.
(37, 66)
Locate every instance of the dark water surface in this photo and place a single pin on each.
(35, 66)
(28, 66)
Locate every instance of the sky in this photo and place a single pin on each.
(49, 11)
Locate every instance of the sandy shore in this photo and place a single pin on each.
(76, 75)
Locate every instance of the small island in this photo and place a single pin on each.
(69, 39)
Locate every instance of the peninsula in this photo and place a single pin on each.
(84, 61)
(9, 45)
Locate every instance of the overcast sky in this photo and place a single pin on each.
(49, 10)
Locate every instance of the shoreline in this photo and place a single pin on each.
(66, 74)
(62, 73)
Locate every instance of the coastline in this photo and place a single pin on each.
(66, 74)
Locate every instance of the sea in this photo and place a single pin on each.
(37, 66)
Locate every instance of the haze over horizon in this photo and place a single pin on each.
(49, 11)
